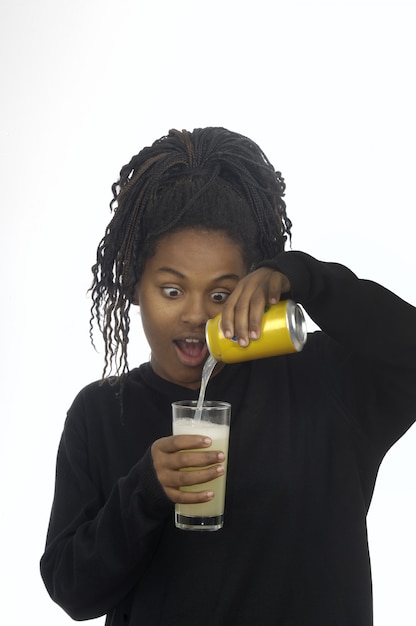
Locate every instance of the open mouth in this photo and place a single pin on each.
(191, 352)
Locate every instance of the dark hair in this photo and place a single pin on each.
(209, 179)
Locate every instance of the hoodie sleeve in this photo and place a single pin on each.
(374, 333)
(98, 543)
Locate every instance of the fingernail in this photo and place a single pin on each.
(254, 334)
(243, 343)
(207, 441)
(221, 456)
(228, 334)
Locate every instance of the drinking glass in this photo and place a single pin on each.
(214, 422)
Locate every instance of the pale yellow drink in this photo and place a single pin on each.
(219, 433)
(204, 515)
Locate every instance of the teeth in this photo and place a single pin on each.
(190, 340)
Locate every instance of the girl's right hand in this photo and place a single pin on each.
(172, 455)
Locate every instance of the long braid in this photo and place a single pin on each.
(210, 177)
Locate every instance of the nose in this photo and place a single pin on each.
(195, 311)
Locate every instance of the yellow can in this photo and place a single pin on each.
(283, 331)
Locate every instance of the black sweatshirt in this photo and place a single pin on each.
(308, 433)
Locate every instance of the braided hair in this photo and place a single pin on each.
(209, 179)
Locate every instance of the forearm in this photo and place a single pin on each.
(360, 314)
(93, 561)
(373, 330)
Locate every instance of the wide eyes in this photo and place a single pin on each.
(219, 297)
(171, 292)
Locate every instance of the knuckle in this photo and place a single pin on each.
(184, 459)
(185, 479)
(154, 449)
(177, 443)
(240, 307)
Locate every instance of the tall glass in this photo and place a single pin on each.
(214, 423)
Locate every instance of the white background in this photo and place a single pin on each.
(328, 91)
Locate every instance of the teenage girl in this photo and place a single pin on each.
(200, 227)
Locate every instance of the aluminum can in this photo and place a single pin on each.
(283, 331)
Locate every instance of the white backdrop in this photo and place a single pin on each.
(325, 88)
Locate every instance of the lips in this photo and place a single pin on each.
(191, 351)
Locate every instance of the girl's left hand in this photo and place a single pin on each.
(244, 309)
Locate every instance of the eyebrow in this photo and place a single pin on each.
(170, 270)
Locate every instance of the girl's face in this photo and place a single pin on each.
(185, 283)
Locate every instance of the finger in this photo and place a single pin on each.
(189, 478)
(186, 492)
(228, 311)
(241, 313)
(186, 459)
(190, 497)
(174, 443)
(278, 284)
(256, 313)
(249, 310)
(235, 314)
